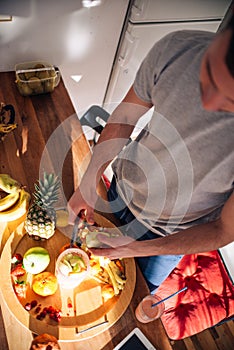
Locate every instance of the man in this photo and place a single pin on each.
(173, 186)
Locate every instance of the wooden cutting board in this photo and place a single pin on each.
(84, 312)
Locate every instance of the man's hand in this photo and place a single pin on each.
(121, 247)
(82, 200)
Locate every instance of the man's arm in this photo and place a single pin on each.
(197, 239)
(111, 141)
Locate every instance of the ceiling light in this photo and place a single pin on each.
(91, 3)
(76, 78)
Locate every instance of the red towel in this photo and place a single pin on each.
(208, 300)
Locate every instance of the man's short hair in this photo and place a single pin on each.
(230, 52)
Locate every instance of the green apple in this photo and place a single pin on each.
(36, 260)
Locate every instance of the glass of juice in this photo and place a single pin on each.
(72, 267)
(145, 312)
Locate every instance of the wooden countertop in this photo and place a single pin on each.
(48, 122)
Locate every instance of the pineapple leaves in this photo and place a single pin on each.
(47, 190)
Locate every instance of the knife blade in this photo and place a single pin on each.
(79, 223)
(75, 230)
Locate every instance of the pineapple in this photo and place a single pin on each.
(41, 217)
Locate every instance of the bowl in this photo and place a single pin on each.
(72, 267)
(36, 77)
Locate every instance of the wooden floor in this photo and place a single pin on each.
(217, 338)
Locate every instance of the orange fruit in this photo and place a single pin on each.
(45, 283)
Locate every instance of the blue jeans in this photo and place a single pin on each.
(156, 268)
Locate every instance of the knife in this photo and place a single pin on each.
(74, 231)
(77, 227)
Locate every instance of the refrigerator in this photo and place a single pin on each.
(147, 22)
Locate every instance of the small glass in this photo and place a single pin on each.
(145, 312)
(68, 278)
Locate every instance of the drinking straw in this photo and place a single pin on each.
(170, 296)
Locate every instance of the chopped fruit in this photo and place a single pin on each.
(33, 304)
(18, 271)
(53, 313)
(71, 264)
(28, 306)
(38, 309)
(17, 259)
(20, 289)
(107, 291)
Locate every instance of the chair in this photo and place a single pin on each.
(95, 117)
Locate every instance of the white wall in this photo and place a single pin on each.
(80, 41)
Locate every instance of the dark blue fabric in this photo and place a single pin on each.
(154, 268)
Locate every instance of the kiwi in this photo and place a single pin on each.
(24, 89)
(38, 90)
(49, 85)
(52, 73)
(39, 65)
(29, 75)
(21, 76)
(34, 82)
(43, 74)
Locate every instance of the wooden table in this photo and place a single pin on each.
(23, 156)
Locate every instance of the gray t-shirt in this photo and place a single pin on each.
(179, 171)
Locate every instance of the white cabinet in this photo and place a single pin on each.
(136, 43)
(177, 10)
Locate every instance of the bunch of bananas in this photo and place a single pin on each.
(7, 120)
(16, 200)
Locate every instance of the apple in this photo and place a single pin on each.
(36, 260)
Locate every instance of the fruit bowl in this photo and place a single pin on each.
(72, 267)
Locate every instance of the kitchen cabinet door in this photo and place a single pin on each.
(137, 41)
(177, 10)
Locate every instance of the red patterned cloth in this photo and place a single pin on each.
(106, 181)
(208, 300)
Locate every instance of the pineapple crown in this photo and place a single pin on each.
(47, 190)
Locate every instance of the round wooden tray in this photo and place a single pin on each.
(84, 313)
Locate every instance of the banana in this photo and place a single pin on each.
(17, 210)
(8, 201)
(121, 279)
(8, 184)
(112, 279)
(6, 128)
